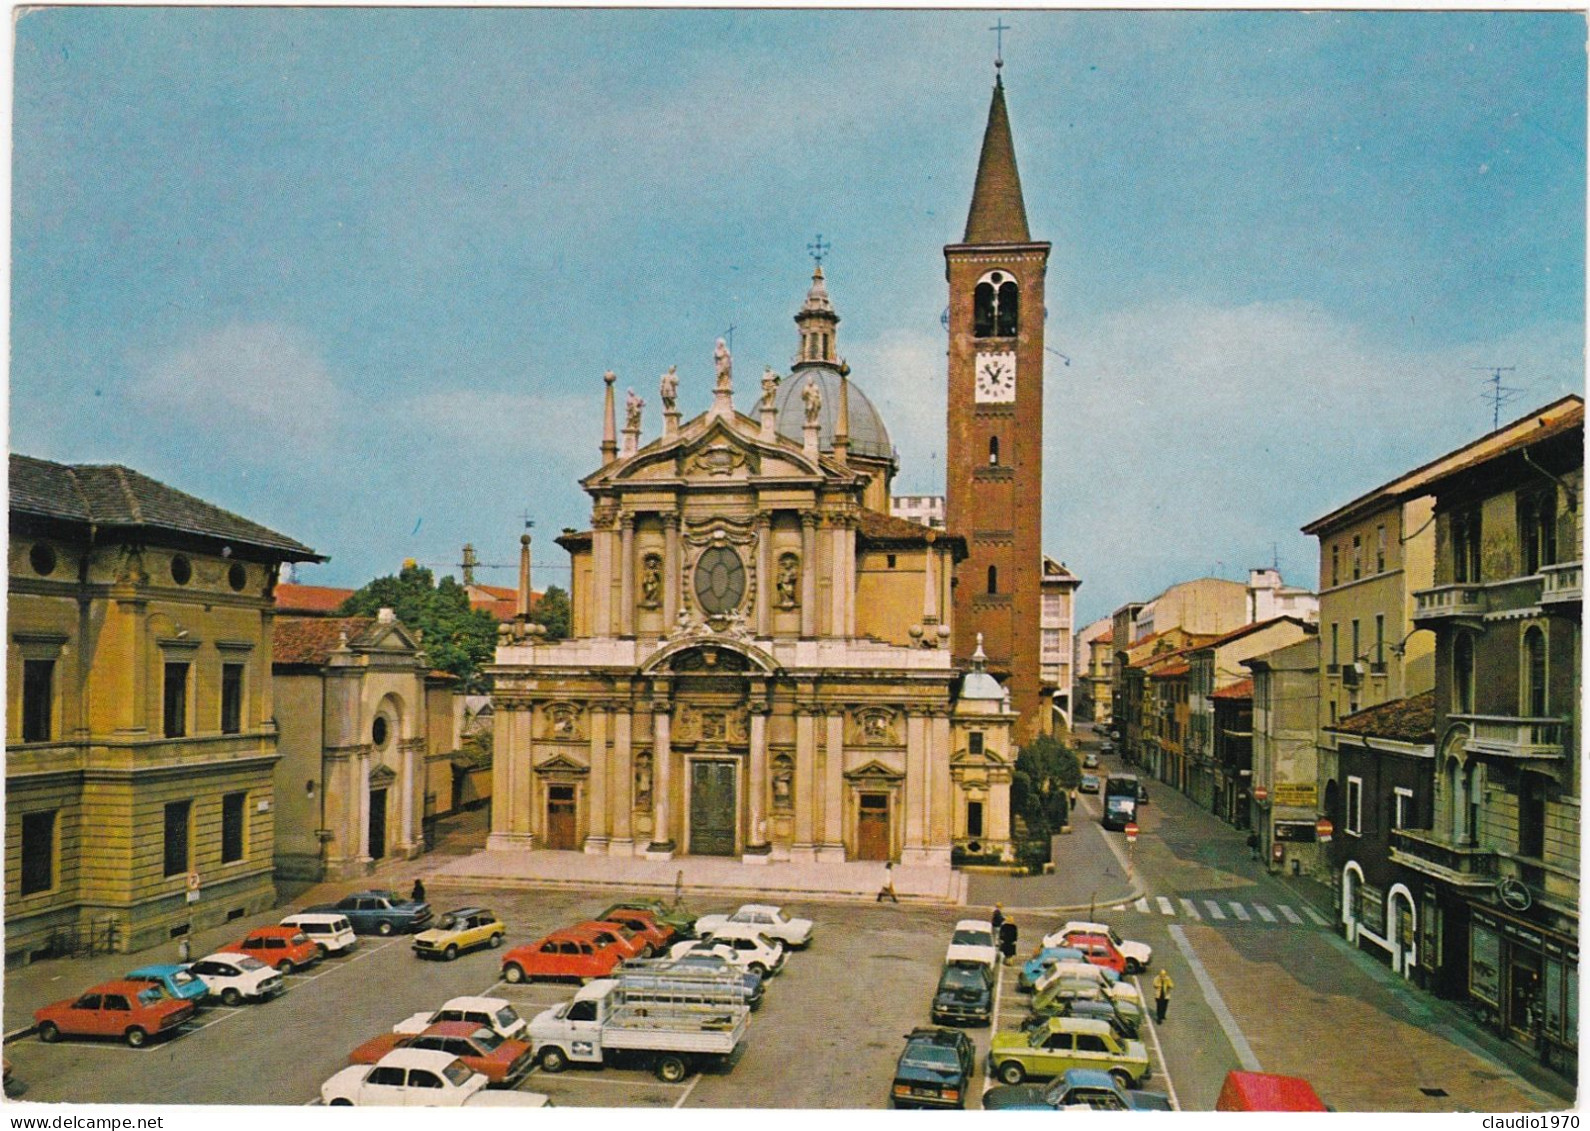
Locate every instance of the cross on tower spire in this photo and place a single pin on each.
(999, 29)
(818, 249)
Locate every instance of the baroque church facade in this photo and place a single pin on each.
(763, 662)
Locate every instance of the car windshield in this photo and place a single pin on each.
(972, 938)
(149, 996)
(249, 962)
(183, 978)
(959, 978)
(486, 1039)
(930, 1056)
(458, 1073)
(446, 921)
(506, 1016)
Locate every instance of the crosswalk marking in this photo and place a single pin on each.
(1214, 909)
(1142, 905)
(1291, 916)
(1240, 911)
(1319, 920)
(1189, 909)
(1164, 905)
(1264, 912)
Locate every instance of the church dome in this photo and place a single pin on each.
(868, 437)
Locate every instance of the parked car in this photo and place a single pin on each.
(973, 941)
(129, 1011)
(419, 1078)
(1082, 979)
(459, 930)
(965, 994)
(501, 1060)
(1062, 1043)
(284, 949)
(380, 912)
(674, 915)
(657, 935)
(934, 1070)
(1098, 949)
(563, 954)
(235, 978)
(1047, 956)
(1142, 793)
(708, 960)
(1106, 746)
(1124, 1017)
(1090, 761)
(1267, 1091)
(176, 980)
(331, 932)
(761, 954)
(1079, 1088)
(1090, 783)
(1138, 954)
(494, 1013)
(766, 919)
(634, 943)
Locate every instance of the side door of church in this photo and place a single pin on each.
(712, 808)
(560, 817)
(872, 827)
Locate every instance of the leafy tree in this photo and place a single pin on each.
(1045, 773)
(552, 612)
(456, 638)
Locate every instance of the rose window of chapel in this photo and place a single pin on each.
(720, 580)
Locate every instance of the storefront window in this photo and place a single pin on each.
(1485, 960)
(1570, 1019)
(1553, 995)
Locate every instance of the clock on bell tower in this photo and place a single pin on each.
(994, 454)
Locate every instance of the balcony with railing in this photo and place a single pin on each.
(1505, 736)
(1460, 864)
(1446, 601)
(1563, 583)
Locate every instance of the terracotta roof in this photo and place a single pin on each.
(112, 496)
(498, 600)
(998, 214)
(1170, 671)
(311, 599)
(1242, 689)
(886, 530)
(311, 640)
(1107, 637)
(1402, 720)
(1570, 417)
(1247, 629)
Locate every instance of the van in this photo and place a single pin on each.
(1265, 1091)
(333, 934)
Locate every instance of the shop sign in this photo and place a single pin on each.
(1302, 795)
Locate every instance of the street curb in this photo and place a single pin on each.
(1132, 897)
(804, 895)
(18, 1034)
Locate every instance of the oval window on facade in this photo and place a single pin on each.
(42, 558)
(720, 580)
(237, 577)
(181, 570)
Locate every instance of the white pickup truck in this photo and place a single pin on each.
(658, 1024)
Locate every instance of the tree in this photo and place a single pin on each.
(552, 612)
(456, 638)
(1046, 771)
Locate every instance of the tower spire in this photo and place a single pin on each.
(998, 213)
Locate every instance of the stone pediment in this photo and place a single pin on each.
(964, 757)
(712, 449)
(563, 765)
(874, 771)
(383, 777)
(389, 636)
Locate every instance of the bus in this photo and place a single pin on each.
(1120, 800)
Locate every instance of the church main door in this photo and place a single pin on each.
(377, 845)
(872, 827)
(560, 817)
(712, 808)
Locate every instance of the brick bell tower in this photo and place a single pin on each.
(994, 454)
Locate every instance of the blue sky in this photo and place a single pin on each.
(357, 273)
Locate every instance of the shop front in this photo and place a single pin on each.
(1527, 978)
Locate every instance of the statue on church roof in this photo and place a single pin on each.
(725, 366)
(770, 382)
(669, 388)
(813, 398)
(632, 407)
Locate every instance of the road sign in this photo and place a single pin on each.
(1323, 829)
(193, 881)
(1131, 831)
(1261, 793)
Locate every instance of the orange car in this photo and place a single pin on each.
(284, 949)
(657, 935)
(606, 931)
(131, 1011)
(565, 954)
(499, 1059)
(1099, 950)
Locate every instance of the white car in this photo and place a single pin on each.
(236, 978)
(333, 934)
(419, 1078)
(973, 941)
(1138, 955)
(1116, 988)
(745, 948)
(767, 919)
(494, 1013)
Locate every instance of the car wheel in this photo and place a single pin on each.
(136, 1037)
(320, 949)
(496, 941)
(513, 972)
(671, 1069)
(286, 967)
(553, 1059)
(450, 953)
(758, 969)
(383, 928)
(231, 996)
(49, 1033)
(1011, 1072)
(1133, 967)
(340, 1102)
(1124, 1079)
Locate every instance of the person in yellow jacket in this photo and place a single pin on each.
(1162, 987)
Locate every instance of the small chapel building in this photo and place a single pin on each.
(760, 664)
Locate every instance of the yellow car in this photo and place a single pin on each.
(460, 930)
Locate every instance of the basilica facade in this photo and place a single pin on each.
(760, 664)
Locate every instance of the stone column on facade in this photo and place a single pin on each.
(362, 794)
(406, 753)
(808, 574)
(940, 793)
(764, 574)
(662, 841)
(836, 575)
(833, 784)
(930, 585)
(626, 574)
(602, 581)
(598, 815)
(913, 800)
(757, 847)
(671, 564)
(848, 547)
(804, 847)
(623, 842)
(509, 768)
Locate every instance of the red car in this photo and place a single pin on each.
(657, 935)
(500, 1060)
(1099, 950)
(130, 1011)
(606, 931)
(285, 949)
(564, 954)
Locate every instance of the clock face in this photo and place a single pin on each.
(720, 580)
(996, 377)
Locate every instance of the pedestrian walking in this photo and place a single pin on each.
(417, 892)
(888, 884)
(1253, 844)
(1007, 941)
(1162, 987)
(184, 949)
(997, 919)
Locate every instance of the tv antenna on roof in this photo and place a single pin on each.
(1498, 394)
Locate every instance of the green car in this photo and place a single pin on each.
(1066, 1042)
(674, 915)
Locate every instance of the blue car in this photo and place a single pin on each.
(1034, 967)
(379, 912)
(174, 980)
